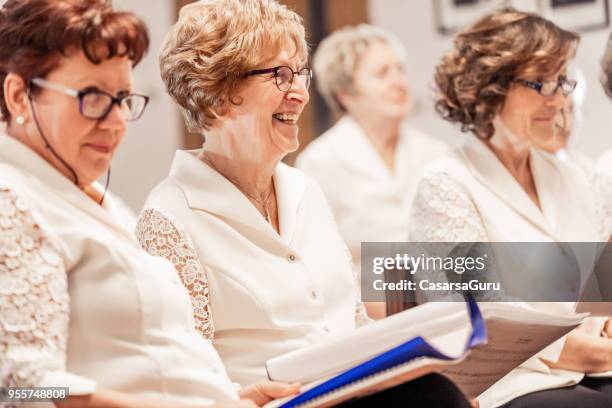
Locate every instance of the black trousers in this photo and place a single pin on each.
(589, 393)
(432, 391)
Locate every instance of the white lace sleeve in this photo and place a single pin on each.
(443, 212)
(361, 314)
(444, 216)
(160, 235)
(34, 304)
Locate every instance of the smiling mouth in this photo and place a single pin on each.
(286, 118)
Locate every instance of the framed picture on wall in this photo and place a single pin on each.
(578, 15)
(452, 15)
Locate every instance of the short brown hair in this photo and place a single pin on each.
(214, 43)
(606, 65)
(34, 33)
(473, 79)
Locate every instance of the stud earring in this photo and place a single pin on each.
(20, 120)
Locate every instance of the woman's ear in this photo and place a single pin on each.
(344, 99)
(16, 96)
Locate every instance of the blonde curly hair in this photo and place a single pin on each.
(606, 65)
(473, 79)
(214, 43)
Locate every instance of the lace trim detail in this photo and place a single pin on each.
(602, 186)
(443, 212)
(159, 234)
(361, 313)
(34, 302)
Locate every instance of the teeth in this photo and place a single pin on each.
(286, 117)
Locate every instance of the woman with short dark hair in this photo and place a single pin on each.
(81, 305)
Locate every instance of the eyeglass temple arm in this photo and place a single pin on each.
(56, 87)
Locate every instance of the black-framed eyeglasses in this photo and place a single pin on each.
(96, 104)
(284, 75)
(549, 88)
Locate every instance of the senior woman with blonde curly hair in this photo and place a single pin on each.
(505, 80)
(253, 240)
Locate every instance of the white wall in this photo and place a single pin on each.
(414, 23)
(144, 158)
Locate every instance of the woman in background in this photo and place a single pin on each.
(506, 81)
(369, 162)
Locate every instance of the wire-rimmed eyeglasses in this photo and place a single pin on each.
(284, 75)
(549, 88)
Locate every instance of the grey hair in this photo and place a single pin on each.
(338, 56)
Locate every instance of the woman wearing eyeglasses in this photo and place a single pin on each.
(253, 240)
(82, 306)
(505, 81)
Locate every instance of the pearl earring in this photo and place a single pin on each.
(20, 120)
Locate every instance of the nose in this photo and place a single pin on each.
(558, 99)
(115, 120)
(298, 91)
(401, 81)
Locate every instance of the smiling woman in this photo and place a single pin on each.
(252, 239)
(505, 81)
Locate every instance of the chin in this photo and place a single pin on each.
(94, 173)
(287, 143)
(397, 113)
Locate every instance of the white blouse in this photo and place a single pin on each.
(369, 201)
(269, 294)
(471, 197)
(82, 305)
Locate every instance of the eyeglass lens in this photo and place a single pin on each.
(284, 77)
(550, 87)
(96, 105)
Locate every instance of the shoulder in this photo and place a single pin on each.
(16, 203)
(168, 195)
(22, 230)
(434, 144)
(14, 208)
(445, 183)
(450, 167)
(323, 148)
(311, 196)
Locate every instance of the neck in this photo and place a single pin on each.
(511, 150)
(382, 133)
(249, 171)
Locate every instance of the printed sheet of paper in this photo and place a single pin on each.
(510, 344)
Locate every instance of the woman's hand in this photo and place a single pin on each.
(262, 393)
(585, 353)
(608, 328)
